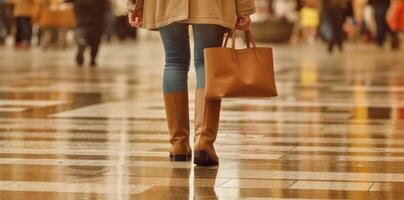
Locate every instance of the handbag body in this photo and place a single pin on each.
(239, 73)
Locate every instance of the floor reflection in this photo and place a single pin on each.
(201, 192)
(335, 132)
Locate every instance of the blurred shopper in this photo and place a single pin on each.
(122, 27)
(380, 13)
(359, 17)
(210, 19)
(396, 20)
(23, 11)
(7, 10)
(90, 17)
(42, 6)
(310, 20)
(334, 14)
(299, 4)
(286, 9)
(3, 31)
(109, 20)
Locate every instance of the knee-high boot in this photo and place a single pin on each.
(207, 114)
(177, 112)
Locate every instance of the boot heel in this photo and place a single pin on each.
(180, 158)
(203, 159)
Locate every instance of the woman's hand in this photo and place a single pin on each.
(243, 23)
(136, 18)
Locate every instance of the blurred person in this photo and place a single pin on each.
(40, 7)
(359, 17)
(122, 26)
(7, 9)
(210, 19)
(396, 20)
(309, 20)
(23, 11)
(335, 14)
(296, 34)
(286, 9)
(3, 31)
(90, 24)
(380, 13)
(109, 27)
(299, 4)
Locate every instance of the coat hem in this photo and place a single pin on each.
(219, 22)
(164, 23)
(185, 20)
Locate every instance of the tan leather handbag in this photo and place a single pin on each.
(237, 73)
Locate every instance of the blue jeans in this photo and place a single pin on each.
(175, 39)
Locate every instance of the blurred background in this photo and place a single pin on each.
(50, 23)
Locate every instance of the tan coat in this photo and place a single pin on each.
(159, 13)
(23, 8)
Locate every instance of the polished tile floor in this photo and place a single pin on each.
(335, 132)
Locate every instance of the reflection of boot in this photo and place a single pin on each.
(205, 192)
(184, 191)
(207, 113)
(176, 104)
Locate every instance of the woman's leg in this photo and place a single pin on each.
(205, 36)
(177, 58)
(207, 112)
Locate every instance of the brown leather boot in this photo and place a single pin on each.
(177, 112)
(207, 114)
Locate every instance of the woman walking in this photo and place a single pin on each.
(210, 19)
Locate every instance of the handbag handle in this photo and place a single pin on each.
(249, 39)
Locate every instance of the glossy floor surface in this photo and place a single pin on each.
(335, 132)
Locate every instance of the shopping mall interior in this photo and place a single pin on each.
(99, 131)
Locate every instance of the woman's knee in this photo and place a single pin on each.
(206, 36)
(176, 47)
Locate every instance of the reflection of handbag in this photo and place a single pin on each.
(233, 73)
